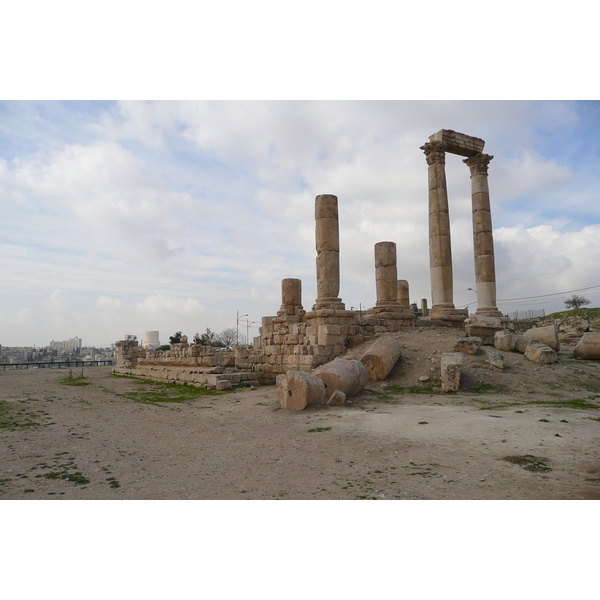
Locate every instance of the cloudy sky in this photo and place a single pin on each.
(124, 217)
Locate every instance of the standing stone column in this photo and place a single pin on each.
(440, 251)
(403, 297)
(291, 298)
(386, 276)
(485, 270)
(328, 253)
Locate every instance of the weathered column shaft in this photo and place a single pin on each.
(386, 272)
(483, 241)
(291, 292)
(440, 250)
(328, 252)
(403, 296)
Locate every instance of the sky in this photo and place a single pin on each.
(121, 217)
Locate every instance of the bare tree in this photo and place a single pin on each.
(576, 301)
(228, 336)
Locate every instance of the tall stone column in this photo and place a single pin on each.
(483, 241)
(403, 297)
(328, 253)
(386, 276)
(440, 251)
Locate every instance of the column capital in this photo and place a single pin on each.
(435, 153)
(478, 163)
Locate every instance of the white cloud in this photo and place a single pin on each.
(177, 215)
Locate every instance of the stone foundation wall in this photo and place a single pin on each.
(287, 342)
(303, 343)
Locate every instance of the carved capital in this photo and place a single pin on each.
(478, 163)
(434, 153)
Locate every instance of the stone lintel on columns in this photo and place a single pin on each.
(458, 143)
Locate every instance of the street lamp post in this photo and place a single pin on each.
(237, 326)
(248, 323)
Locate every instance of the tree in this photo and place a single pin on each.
(228, 336)
(175, 339)
(576, 301)
(206, 339)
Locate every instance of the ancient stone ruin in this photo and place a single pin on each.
(301, 349)
(487, 318)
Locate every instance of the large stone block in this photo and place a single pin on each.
(540, 353)
(468, 345)
(503, 340)
(337, 399)
(330, 340)
(546, 335)
(520, 343)
(588, 346)
(494, 359)
(458, 143)
(450, 365)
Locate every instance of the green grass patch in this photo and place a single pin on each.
(577, 404)
(12, 417)
(584, 313)
(77, 478)
(75, 381)
(491, 388)
(159, 393)
(535, 464)
(413, 389)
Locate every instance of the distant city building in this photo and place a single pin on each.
(68, 345)
(151, 341)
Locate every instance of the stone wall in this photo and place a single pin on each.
(303, 343)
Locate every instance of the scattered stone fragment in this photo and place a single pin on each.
(337, 399)
(494, 359)
(468, 345)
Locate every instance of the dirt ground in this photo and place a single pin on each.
(529, 432)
